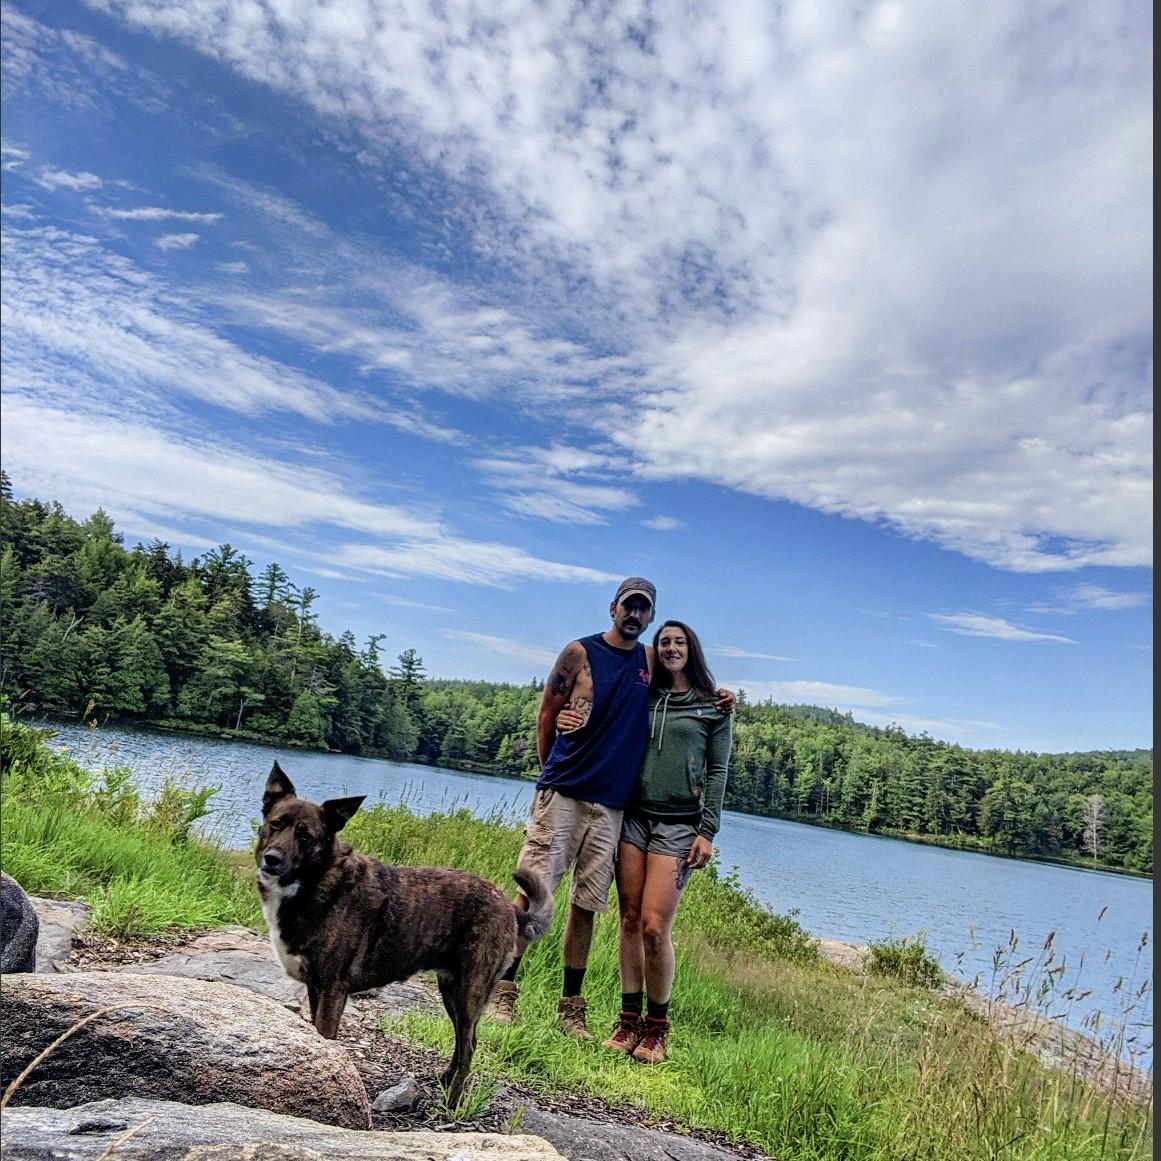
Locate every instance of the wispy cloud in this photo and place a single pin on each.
(52, 179)
(663, 523)
(141, 475)
(983, 625)
(867, 706)
(84, 324)
(534, 655)
(177, 241)
(734, 651)
(1084, 597)
(821, 693)
(160, 214)
(554, 484)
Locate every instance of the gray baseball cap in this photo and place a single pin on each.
(636, 586)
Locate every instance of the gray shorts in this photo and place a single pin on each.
(655, 837)
(566, 832)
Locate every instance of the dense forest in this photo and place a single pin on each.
(89, 627)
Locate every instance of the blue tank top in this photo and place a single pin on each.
(601, 761)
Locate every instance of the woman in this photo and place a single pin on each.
(667, 833)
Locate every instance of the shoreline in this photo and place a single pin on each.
(248, 738)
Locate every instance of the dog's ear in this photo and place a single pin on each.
(339, 811)
(278, 786)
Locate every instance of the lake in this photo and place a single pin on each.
(852, 887)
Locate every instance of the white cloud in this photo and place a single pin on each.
(505, 647)
(982, 625)
(555, 484)
(141, 475)
(866, 706)
(820, 693)
(1084, 597)
(734, 651)
(177, 241)
(468, 561)
(663, 523)
(855, 262)
(84, 324)
(52, 179)
(160, 214)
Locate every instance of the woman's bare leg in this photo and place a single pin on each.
(630, 884)
(659, 899)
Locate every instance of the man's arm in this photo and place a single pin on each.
(557, 692)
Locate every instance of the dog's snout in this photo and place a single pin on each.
(273, 860)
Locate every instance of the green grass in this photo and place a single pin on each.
(771, 1044)
(68, 833)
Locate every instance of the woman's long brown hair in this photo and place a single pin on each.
(696, 668)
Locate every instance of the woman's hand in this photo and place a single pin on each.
(700, 853)
(568, 720)
(726, 700)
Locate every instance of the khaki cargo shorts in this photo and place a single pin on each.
(566, 832)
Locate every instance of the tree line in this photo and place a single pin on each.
(89, 627)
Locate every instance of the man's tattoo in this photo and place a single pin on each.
(559, 682)
(582, 706)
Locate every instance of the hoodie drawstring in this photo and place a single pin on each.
(662, 704)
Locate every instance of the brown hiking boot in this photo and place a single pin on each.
(571, 1010)
(502, 1005)
(627, 1032)
(654, 1042)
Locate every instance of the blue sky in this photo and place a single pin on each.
(835, 321)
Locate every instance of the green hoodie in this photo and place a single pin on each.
(684, 772)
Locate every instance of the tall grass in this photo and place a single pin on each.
(771, 1044)
(74, 834)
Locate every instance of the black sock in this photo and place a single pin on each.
(573, 979)
(510, 974)
(656, 1011)
(632, 1001)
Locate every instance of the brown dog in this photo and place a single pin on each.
(341, 922)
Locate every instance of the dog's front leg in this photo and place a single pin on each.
(328, 1010)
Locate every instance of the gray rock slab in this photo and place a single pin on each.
(239, 956)
(580, 1139)
(59, 922)
(167, 1131)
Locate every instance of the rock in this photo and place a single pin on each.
(236, 955)
(178, 1039)
(400, 1098)
(167, 1131)
(231, 955)
(59, 922)
(19, 927)
(583, 1140)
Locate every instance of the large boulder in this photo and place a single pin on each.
(144, 1130)
(174, 1039)
(19, 927)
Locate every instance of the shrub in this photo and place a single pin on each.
(907, 960)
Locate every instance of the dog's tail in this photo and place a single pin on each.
(534, 922)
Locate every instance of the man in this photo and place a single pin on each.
(586, 780)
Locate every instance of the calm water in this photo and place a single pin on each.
(851, 887)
